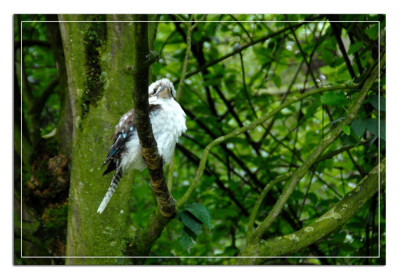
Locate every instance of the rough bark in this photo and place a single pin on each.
(96, 57)
(141, 104)
(324, 225)
(65, 124)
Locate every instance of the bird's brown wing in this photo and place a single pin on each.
(123, 132)
(125, 129)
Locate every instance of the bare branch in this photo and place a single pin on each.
(251, 126)
(308, 63)
(236, 51)
(324, 225)
(328, 139)
(141, 105)
(257, 205)
(337, 33)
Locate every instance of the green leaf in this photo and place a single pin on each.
(190, 222)
(372, 32)
(372, 126)
(348, 140)
(313, 198)
(186, 241)
(379, 105)
(346, 129)
(297, 195)
(383, 131)
(263, 54)
(354, 47)
(327, 56)
(277, 81)
(359, 127)
(200, 212)
(336, 98)
(313, 107)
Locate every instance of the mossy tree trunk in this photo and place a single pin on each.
(97, 56)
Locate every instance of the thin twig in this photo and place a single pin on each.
(330, 187)
(245, 86)
(336, 32)
(305, 195)
(180, 86)
(251, 126)
(260, 199)
(187, 55)
(308, 63)
(236, 51)
(241, 26)
(328, 139)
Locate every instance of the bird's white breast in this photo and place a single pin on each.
(168, 123)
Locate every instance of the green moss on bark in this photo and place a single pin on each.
(89, 233)
(94, 39)
(327, 223)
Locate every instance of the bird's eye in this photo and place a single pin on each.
(155, 90)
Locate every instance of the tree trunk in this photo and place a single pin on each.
(98, 56)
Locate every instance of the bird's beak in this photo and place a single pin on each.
(163, 92)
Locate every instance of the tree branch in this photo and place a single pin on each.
(179, 91)
(148, 143)
(324, 225)
(251, 126)
(308, 63)
(257, 205)
(337, 33)
(328, 139)
(40, 101)
(240, 49)
(219, 183)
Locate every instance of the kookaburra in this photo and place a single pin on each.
(168, 121)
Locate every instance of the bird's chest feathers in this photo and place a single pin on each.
(168, 123)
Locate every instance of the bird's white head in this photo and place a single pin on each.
(162, 88)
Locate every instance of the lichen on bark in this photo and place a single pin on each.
(89, 233)
(327, 223)
(94, 40)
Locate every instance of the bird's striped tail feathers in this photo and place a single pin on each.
(114, 183)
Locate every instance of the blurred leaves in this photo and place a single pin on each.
(336, 98)
(193, 216)
(238, 170)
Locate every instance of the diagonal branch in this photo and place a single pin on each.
(260, 199)
(209, 171)
(308, 63)
(40, 101)
(241, 26)
(337, 32)
(324, 225)
(328, 139)
(240, 49)
(251, 126)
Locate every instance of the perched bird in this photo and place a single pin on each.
(168, 121)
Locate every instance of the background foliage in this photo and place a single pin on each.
(240, 67)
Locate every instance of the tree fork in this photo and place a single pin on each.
(321, 227)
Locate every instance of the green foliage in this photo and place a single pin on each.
(193, 216)
(346, 129)
(359, 127)
(225, 95)
(334, 98)
(378, 102)
(200, 212)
